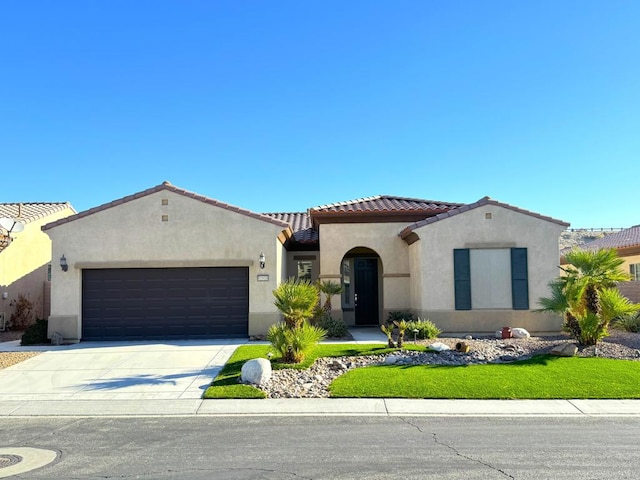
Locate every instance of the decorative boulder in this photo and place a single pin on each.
(56, 339)
(439, 347)
(392, 359)
(564, 350)
(519, 333)
(256, 371)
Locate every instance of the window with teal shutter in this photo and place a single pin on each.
(462, 278)
(519, 279)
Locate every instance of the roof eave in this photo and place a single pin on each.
(165, 186)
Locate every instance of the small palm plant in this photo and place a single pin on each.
(586, 296)
(402, 326)
(329, 289)
(293, 343)
(388, 331)
(296, 300)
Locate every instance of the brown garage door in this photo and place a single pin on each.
(165, 303)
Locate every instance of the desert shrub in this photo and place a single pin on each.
(426, 329)
(335, 327)
(22, 315)
(35, 334)
(399, 315)
(293, 343)
(629, 322)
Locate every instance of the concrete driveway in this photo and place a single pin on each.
(116, 371)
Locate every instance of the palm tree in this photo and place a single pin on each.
(330, 289)
(586, 295)
(296, 300)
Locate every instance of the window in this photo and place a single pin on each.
(634, 269)
(304, 270)
(346, 284)
(491, 278)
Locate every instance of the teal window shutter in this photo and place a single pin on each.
(519, 279)
(462, 278)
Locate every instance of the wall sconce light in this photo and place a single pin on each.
(63, 263)
(263, 260)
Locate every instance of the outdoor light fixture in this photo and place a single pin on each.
(263, 260)
(63, 263)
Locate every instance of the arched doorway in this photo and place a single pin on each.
(361, 271)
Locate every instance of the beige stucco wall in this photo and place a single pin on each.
(133, 234)
(505, 229)
(338, 239)
(629, 260)
(23, 264)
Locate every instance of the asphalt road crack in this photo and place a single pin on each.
(437, 441)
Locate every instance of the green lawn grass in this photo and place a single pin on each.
(226, 385)
(542, 377)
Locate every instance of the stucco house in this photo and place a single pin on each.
(25, 256)
(627, 243)
(168, 263)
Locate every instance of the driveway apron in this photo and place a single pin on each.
(116, 370)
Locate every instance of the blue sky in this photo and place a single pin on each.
(284, 105)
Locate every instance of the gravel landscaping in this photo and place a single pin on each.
(8, 359)
(313, 382)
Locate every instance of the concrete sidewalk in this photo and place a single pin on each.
(322, 407)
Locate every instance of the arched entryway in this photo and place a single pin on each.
(361, 273)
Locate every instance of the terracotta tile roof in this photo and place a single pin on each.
(483, 201)
(385, 203)
(166, 186)
(32, 211)
(300, 224)
(629, 237)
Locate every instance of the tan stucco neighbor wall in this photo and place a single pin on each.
(145, 233)
(24, 264)
(628, 261)
(487, 226)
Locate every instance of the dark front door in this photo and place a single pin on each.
(165, 303)
(366, 291)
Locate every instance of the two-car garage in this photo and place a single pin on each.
(165, 303)
(165, 264)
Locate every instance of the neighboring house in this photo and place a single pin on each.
(627, 243)
(25, 258)
(168, 263)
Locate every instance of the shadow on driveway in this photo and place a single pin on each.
(148, 380)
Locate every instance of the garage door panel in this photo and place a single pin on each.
(166, 303)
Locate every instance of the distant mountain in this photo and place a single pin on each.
(576, 237)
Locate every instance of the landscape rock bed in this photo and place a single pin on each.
(314, 382)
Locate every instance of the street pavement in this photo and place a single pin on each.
(168, 379)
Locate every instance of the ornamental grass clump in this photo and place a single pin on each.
(292, 339)
(426, 329)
